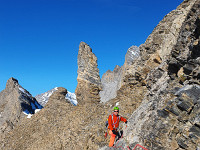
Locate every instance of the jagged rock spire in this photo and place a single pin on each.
(89, 83)
(11, 84)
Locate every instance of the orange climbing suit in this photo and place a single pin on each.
(113, 124)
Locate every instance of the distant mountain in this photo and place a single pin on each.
(111, 80)
(44, 97)
(15, 103)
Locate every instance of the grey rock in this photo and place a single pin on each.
(110, 83)
(132, 54)
(112, 80)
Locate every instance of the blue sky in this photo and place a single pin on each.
(39, 39)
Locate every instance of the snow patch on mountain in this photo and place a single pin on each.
(30, 106)
(24, 91)
(132, 54)
(44, 97)
(71, 97)
(29, 115)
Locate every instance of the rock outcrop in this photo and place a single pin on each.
(168, 117)
(15, 102)
(89, 84)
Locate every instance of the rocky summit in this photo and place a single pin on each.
(15, 104)
(157, 90)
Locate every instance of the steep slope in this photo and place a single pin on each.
(168, 117)
(15, 102)
(60, 125)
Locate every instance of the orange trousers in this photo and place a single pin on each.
(112, 138)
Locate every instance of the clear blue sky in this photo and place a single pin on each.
(39, 39)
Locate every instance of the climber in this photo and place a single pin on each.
(113, 124)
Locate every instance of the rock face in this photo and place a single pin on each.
(111, 81)
(132, 54)
(15, 102)
(168, 117)
(89, 83)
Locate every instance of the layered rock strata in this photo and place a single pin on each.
(168, 117)
(89, 84)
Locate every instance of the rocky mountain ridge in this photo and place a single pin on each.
(158, 93)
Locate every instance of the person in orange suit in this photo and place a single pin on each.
(113, 124)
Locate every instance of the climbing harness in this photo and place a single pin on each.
(114, 123)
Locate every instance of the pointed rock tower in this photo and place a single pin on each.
(89, 84)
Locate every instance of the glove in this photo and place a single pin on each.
(106, 135)
(126, 122)
(114, 132)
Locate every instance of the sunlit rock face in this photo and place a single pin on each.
(168, 116)
(89, 84)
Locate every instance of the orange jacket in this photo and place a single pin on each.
(115, 122)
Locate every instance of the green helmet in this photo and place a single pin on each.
(116, 108)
